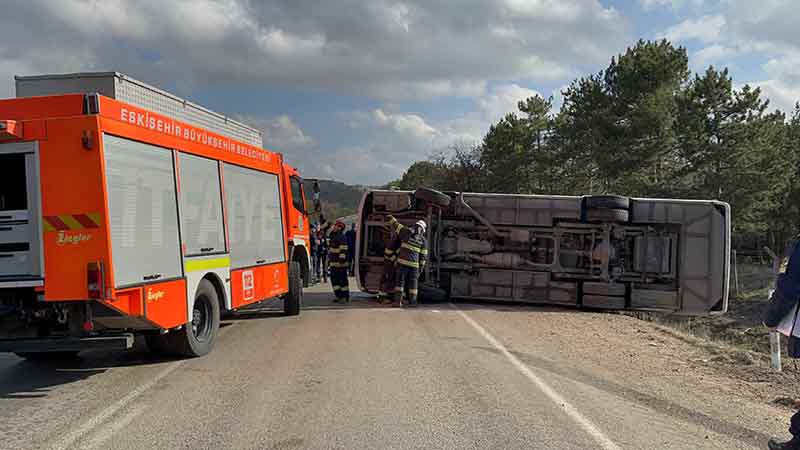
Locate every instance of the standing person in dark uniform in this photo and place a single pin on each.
(312, 236)
(350, 237)
(411, 258)
(338, 263)
(321, 255)
(389, 269)
(782, 303)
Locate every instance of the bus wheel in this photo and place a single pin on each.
(197, 337)
(293, 299)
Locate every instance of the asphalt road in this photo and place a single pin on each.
(356, 377)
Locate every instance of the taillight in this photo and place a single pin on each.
(96, 280)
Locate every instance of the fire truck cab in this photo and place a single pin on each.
(126, 210)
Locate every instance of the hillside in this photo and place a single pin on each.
(338, 199)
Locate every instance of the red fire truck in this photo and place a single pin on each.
(126, 210)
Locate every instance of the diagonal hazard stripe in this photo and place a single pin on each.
(85, 221)
(56, 223)
(96, 218)
(65, 222)
(70, 222)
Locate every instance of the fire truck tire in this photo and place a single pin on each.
(294, 298)
(197, 337)
(433, 196)
(48, 356)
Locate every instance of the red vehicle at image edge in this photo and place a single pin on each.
(126, 210)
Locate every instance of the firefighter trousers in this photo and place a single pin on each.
(387, 283)
(406, 279)
(340, 283)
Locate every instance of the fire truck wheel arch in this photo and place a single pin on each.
(219, 277)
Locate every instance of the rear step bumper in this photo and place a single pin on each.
(67, 344)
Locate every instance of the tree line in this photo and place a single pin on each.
(644, 126)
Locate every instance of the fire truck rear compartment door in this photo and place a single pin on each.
(20, 235)
(143, 212)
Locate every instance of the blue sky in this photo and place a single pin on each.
(356, 90)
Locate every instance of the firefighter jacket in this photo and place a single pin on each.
(413, 251)
(337, 250)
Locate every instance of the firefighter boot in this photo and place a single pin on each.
(794, 444)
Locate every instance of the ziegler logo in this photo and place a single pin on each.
(65, 238)
(153, 296)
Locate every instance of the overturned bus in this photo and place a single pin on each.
(592, 252)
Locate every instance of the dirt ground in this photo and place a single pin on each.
(736, 344)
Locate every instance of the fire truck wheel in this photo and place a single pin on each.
(48, 356)
(293, 299)
(196, 338)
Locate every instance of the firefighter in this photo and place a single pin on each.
(783, 302)
(389, 259)
(337, 261)
(411, 258)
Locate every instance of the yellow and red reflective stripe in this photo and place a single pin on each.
(63, 222)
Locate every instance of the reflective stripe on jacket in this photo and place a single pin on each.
(413, 251)
(337, 250)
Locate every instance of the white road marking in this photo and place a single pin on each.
(105, 433)
(70, 438)
(571, 411)
(67, 441)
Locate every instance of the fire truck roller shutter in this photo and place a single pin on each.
(143, 211)
(202, 228)
(255, 219)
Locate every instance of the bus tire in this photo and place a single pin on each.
(293, 299)
(607, 202)
(197, 337)
(607, 215)
(432, 196)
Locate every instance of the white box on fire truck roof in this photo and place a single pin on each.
(129, 90)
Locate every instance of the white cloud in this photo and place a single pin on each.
(410, 124)
(285, 133)
(781, 95)
(710, 55)
(381, 48)
(503, 100)
(748, 30)
(674, 4)
(705, 29)
(393, 140)
(281, 133)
